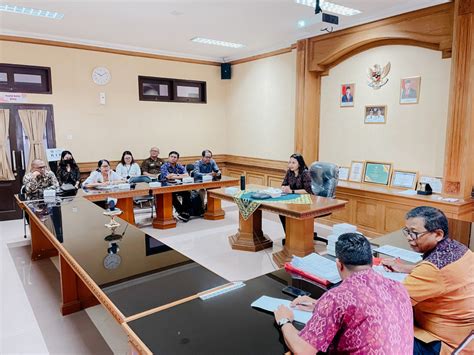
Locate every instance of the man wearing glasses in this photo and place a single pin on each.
(441, 286)
(39, 179)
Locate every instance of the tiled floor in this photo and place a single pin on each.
(29, 297)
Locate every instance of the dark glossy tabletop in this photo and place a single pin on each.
(146, 273)
(225, 324)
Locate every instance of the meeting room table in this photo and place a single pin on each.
(162, 198)
(299, 224)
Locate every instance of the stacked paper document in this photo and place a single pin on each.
(337, 230)
(396, 276)
(407, 255)
(317, 265)
(271, 304)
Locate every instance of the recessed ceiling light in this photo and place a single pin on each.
(32, 12)
(330, 7)
(216, 42)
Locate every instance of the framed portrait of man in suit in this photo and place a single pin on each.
(410, 90)
(347, 95)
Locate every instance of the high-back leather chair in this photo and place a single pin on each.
(324, 177)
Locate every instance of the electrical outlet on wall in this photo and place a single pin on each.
(102, 98)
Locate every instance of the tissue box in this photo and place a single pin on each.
(124, 186)
(49, 193)
(231, 190)
(206, 178)
(188, 180)
(154, 184)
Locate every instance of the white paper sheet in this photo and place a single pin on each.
(396, 276)
(271, 304)
(396, 252)
(318, 265)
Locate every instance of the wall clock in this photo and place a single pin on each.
(101, 75)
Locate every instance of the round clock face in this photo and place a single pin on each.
(101, 75)
(112, 261)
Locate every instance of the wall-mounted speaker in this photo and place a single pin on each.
(226, 72)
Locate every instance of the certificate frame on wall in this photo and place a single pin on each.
(435, 182)
(357, 171)
(404, 179)
(376, 172)
(344, 173)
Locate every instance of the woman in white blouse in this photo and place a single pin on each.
(127, 167)
(103, 176)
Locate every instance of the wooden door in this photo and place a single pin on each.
(17, 145)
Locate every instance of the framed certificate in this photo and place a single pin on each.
(404, 179)
(357, 169)
(377, 173)
(436, 183)
(344, 173)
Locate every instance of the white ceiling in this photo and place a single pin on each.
(166, 27)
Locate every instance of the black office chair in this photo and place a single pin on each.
(190, 169)
(324, 177)
(140, 200)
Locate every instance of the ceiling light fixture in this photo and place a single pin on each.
(216, 42)
(32, 12)
(330, 7)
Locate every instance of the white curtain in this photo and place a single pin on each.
(34, 124)
(6, 173)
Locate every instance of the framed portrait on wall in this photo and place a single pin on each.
(377, 172)
(410, 90)
(404, 179)
(357, 169)
(347, 95)
(344, 173)
(375, 114)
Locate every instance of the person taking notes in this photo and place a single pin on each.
(367, 313)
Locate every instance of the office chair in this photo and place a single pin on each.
(140, 200)
(190, 169)
(324, 177)
(25, 220)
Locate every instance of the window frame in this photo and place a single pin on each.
(172, 90)
(28, 88)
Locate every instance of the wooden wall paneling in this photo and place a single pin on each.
(275, 180)
(308, 96)
(458, 177)
(235, 173)
(366, 214)
(255, 178)
(394, 218)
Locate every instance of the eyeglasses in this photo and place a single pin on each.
(41, 167)
(413, 235)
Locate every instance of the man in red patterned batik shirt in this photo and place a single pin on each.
(365, 314)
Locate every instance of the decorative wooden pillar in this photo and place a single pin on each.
(308, 97)
(459, 152)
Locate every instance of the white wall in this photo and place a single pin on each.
(413, 137)
(261, 108)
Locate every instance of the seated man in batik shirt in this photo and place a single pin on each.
(366, 314)
(39, 179)
(441, 286)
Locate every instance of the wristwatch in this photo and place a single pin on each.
(283, 321)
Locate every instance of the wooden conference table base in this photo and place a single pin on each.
(299, 225)
(163, 200)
